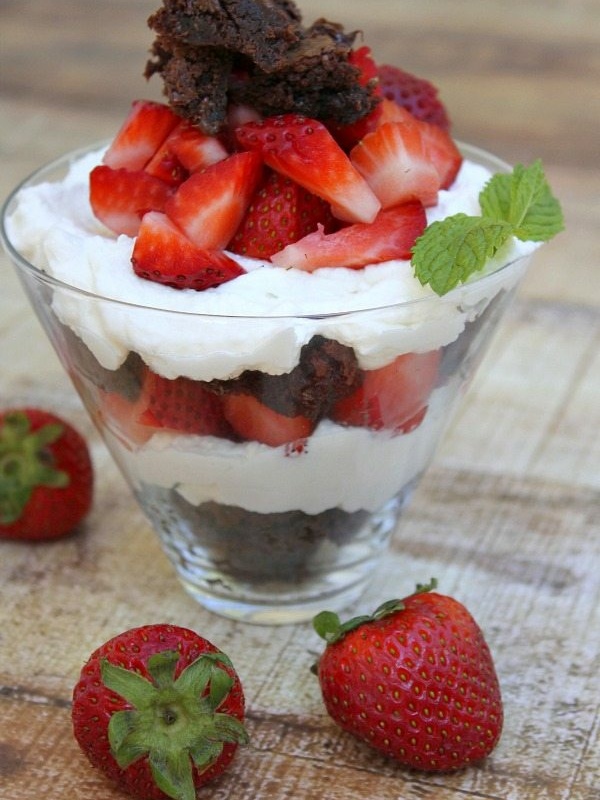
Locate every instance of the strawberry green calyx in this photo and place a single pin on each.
(25, 463)
(174, 722)
(329, 627)
(518, 204)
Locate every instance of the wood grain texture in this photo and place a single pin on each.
(508, 518)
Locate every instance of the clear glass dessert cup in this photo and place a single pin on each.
(269, 516)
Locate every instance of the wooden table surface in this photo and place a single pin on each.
(508, 518)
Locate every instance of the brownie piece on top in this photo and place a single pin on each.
(257, 53)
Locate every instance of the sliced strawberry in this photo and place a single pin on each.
(186, 149)
(254, 421)
(184, 405)
(362, 59)
(122, 415)
(395, 163)
(162, 253)
(121, 197)
(348, 136)
(196, 150)
(303, 149)
(391, 397)
(144, 130)
(417, 95)
(443, 152)
(165, 165)
(281, 212)
(392, 235)
(210, 205)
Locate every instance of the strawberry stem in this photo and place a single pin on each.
(329, 627)
(173, 721)
(26, 461)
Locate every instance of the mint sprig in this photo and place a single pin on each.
(518, 204)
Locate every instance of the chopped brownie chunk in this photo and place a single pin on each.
(327, 372)
(316, 79)
(126, 380)
(256, 52)
(262, 30)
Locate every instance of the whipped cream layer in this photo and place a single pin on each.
(259, 320)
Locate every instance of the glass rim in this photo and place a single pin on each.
(71, 156)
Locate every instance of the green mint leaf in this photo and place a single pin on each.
(523, 199)
(451, 250)
(518, 204)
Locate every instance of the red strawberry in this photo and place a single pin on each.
(281, 212)
(46, 475)
(417, 95)
(165, 165)
(255, 421)
(124, 418)
(391, 235)
(303, 149)
(210, 205)
(348, 136)
(162, 253)
(392, 397)
(121, 197)
(186, 149)
(394, 161)
(442, 151)
(415, 680)
(362, 59)
(144, 130)
(159, 710)
(183, 404)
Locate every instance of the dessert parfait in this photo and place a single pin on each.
(269, 291)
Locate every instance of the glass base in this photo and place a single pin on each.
(282, 607)
(270, 569)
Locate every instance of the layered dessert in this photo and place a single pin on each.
(258, 327)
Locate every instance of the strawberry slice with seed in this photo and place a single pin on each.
(280, 213)
(121, 197)
(127, 420)
(395, 162)
(349, 136)
(442, 151)
(394, 396)
(183, 405)
(185, 150)
(254, 421)
(417, 95)
(392, 235)
(162, 253)
(144, 130)
(209, 206)
(303, 149)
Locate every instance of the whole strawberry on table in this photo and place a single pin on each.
(46, 475)
(415, 680)
(160, 710)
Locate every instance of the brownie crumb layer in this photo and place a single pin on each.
(211, 53)
(258, 547)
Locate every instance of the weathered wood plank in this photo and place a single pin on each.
(514, 550)
(538, 383)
